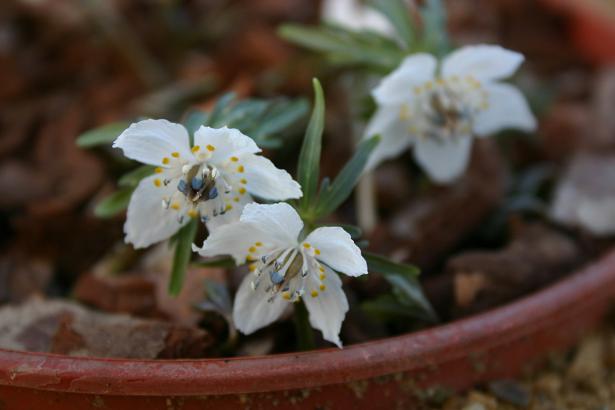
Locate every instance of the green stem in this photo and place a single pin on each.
(303, 330)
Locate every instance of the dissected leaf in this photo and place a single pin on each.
(114, 203)
(309, 157)
(331, 197)
(104, 135)
(183, 251)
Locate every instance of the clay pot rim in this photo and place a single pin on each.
(287, 371)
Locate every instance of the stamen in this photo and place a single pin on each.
(314, 293)
(158, 170)
(234, 159)
(158, 182)
(210, 148)
(196, 149)
(322, 287)
(240, 169)
(175, 154)
(166, 160)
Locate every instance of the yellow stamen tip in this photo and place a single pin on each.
(242, 190)
(175, 154)
(228, 207)
(210, 147)
(258, 244)
(317, 251)
(243, 181)
(193, 213)
(314, 293)
(286, 295)
(158, 182)
(322, 287)
(234, 159)
(196, 148)
(252, 267)
(252, 249)
(175, 206)
(321, 269)
(166, 160)
(240, 168)
(158, 170)
(307, 245)
(322, 276)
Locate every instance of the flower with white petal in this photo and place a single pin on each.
(285, 268)
(356, 16)
(211, 180)
(439, 110)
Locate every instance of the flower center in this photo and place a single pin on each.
(445, 108)
(284, 271)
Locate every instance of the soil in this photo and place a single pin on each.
(65, 72)
(582, 379)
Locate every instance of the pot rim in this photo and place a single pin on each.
(111, 376)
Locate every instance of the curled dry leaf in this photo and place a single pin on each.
(67, 328)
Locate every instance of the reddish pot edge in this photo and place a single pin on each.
(591, 286)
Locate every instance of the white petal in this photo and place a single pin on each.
(147, 221)
(328, 309)
(395, 137)
(233, 239)
(252, 311)
(507, 109)
(356, 16)
(484, 62)
(237, 202)
(150, 141)
(598, 216)
(279, 222)
(397, 87)
(268, 182)
(337, 250)
(443, 161)
(226, 143)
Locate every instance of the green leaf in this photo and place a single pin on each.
(218, 262)
(217, 114)
(181, 259)
(114, 203)
(193, 122)
(104, 135)
(404, 283)
(309, 157)
(398, 14)
(280, 116)
(132, 178)
(331, 197)
(435, 32)
(380, 264)
(344, 47)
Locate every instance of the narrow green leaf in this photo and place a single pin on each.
(181, 259)
(104, 135)
(280, 116)
(344, 47)
(132, 178)
(380, 264)
(333, 196)
(309, 157)
(221, 262)
(193, 122)
(114, 203)
(435, 32)
(398, 14)
(217, 114)
(408, 291)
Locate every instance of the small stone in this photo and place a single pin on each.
(511, 392)
(549, 383)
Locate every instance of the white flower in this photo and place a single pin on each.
(212, 180)
(285, 268)
(356, 16)
(440, 110)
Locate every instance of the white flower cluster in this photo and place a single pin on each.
(436, 110)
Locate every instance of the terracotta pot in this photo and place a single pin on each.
(385, 374)
(592, 27)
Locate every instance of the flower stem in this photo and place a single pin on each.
(303, 330)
